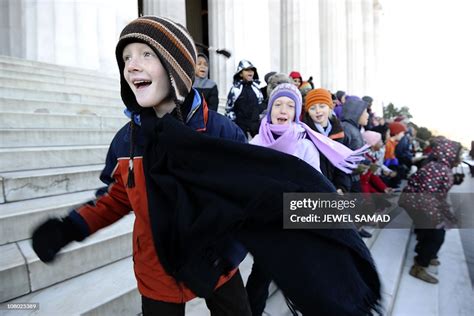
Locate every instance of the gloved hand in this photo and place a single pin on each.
(54, 234)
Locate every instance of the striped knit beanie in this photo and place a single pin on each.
(285, 90)
(174, 46)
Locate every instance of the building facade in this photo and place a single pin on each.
(334, 41)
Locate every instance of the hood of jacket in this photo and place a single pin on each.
(352, 110)
(446, 151)
(245, 64)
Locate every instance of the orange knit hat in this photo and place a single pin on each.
(318, 96)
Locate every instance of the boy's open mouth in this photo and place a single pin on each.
(282, 120)
(140, 84)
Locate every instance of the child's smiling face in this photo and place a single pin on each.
(247, 74)
(283, 111)
(319, 113)
(145, 75)
(202, 67)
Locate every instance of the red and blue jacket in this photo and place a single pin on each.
(119, 200)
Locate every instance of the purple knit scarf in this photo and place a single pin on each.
(289, 134)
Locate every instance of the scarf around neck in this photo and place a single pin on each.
(323, 131)
(339, 155)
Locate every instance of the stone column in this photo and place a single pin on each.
(333, 32)
(378, 15)
(11, 28)
(369, 51)
(173, 9)
(300, 43)
(64, 27)
(221, 18)
(355, 48)
(73, 33)
(45, 32)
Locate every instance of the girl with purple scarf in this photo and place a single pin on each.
(282, 130)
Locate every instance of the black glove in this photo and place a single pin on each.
(52, 235)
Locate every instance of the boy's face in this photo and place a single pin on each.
(297, 82)
(145, 75)
(247, 74)
(364, 118)
(399, 136)
(201, 67)
(283, 111)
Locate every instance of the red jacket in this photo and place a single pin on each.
(153, 281)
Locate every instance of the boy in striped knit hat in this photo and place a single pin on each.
(156, 59)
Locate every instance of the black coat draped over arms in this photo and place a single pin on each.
(205, 193)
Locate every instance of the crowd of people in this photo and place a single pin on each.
(395, 154)
(203, 198)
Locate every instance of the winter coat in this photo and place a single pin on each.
(315, 268)
(382, 129)
(425, 196)
(390, 159)
(154, 281)
(208, 88)
(244, 105)
(404, 151)
(352, 110)
(369, 181)
(340, 179)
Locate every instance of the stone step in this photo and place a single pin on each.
(30, 158)
(453, 295)
(52, 96)
(45, 120)
(12, 72)
(30, 184)
(23, 105)
(17, 219)
(13, 273)
(112, 244)
(12, 63)
(59, 88)
(105, 246)
(110, 290)
(18, 137)
(389, 251)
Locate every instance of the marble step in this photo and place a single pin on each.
(30, 158)
(23, 105)
(110, 290)
(53, 96)
(30, 184)
(13, 273)
(109, 245)
(12, 63)
(453, 295)
(389, 251)
(58, 88)
(17, 219)
(13, 73)
(46, 120)
(20, 137)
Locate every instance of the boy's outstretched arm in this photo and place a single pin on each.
(55, 233)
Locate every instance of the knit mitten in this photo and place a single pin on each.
(54, 234)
